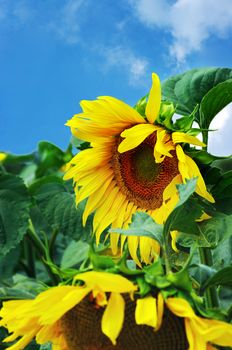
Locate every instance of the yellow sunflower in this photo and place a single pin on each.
(201, 332)
(46, 317)
(133, 164)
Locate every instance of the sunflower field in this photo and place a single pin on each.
(124, 240)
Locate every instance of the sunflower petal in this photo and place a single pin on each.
(154, 100)
(135, 136)
(179, 137)
(107, 282)
(113, 317)
(146, 312)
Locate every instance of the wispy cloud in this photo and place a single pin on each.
(118, 57)
(15, 11)
(189, 22)
(67, 22)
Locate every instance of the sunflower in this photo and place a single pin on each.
(133, 164)
(201, 332)
(46, 317)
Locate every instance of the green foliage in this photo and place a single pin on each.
(14, 212)
(142, 225)
(43, 241)
(188, 89)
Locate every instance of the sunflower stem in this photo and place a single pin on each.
(165, 254)
(41, 250)
(211, 295)
(206, 258)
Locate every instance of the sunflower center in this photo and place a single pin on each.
(139, 177)
(143, 162)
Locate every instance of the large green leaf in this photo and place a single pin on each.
(214, 101)
(59, 210)
(14, 212)
(74, 254)
(222, 277)
(186, 211)
(188, 89)
(222, 192)
(210, 232)
(142, 225)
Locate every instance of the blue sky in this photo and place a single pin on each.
(55, 53)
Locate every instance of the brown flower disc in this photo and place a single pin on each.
(139, 177)
(81, 327)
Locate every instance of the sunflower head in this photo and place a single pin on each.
(133, 164)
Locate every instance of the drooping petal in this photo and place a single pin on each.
(154, 99)
(180, 307)
(55, 312)
(135, 136)
(201, 187)
(113, 317)
(146, 311)
(107, 282)
(179, 137)
(160, 311)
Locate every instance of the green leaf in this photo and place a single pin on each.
(14, 212)
(188, 89)
(9, 262)
(51, 158)
(222, 192)
(186, 212)
(214, 101)
(202, 156)
(141, 105)
(181, 280)
(59, 210)
(142, 225)
(216, 229)
(101, 262)
(74, 254)
(222, 277)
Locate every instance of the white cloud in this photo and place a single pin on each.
(220, 140)
(135, 66)
(66, 26)
(190, 22)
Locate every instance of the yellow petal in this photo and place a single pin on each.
(163, 146)
(2, 156)
(56, 311)
(113, 317)
(135, 136)
(217, 332)
(127, 113)
(178, 137)
(180, 154)
(107, 282)
(24, 341)
(201, 187)
(174, 235)
(203, 217)
(180, 307)
(154, 99)
(133, 243)
(194, 339)
(146, 312)
(160, 311)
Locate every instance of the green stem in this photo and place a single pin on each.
(52, 241)
(30, 258)
(41, 250)
(211, 293)
(206, 255)
(165, 254)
